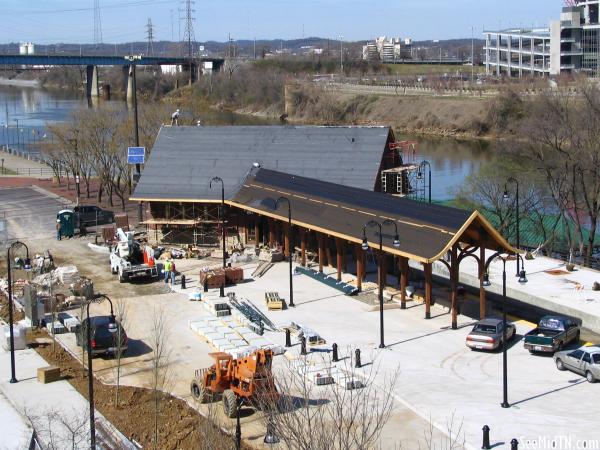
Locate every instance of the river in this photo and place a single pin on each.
(27, 111)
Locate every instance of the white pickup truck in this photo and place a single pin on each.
(127, 259)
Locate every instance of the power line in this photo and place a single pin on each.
(109, 6)
(150, 35)
(97, 23)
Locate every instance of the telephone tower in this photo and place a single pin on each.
(97, 23)
(150, 35)
(188, 18)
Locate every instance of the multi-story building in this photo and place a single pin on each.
(571, 44)
(388, 49)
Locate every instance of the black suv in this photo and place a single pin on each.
(103, 340)
(92, 215)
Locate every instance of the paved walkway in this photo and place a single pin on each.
(23, 165)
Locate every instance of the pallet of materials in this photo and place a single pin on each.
(273, 300)
(234, 275)
(214, 278)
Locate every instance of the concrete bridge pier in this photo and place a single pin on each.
(130, 70)
(92, 82)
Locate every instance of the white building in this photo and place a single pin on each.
(388, 49)
(571, 44)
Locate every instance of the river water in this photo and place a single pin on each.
(27, 110)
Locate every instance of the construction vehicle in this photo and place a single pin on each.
(245, 380)
(129, 259)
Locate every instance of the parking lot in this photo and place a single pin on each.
(439, 378)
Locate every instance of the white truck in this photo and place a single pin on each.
(127, 258)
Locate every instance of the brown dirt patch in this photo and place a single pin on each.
(556, 272)
(180, 426)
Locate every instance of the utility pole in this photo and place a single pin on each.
(472, 55)
(97, 24)
(254, 48)
(341, 55)
(150, 35)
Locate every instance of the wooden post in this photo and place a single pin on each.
(328, 251)
(321, 252)
(286, 240)
(427, 269)
(344, 257)
(481, 288)
(360, 266)
(256, 230)
(271, 232)
(303, 234)
(403, 281)
(338, 247)
(454, 286)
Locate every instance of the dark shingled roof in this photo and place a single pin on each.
(184, 159)
(426, 231)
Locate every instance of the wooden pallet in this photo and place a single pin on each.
(273, 300)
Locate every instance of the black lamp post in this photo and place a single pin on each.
(26, 265)
(112, 327)
(420, 174)
(219, 179)
(290, 243)
(486, 283)
(506, 196)
(271, 437)
(365, 246)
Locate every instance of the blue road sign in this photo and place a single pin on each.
(136, 155)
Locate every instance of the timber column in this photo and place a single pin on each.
(427, 270)
(256, 231)
(271, 232)
(303, 234)
(286, 240)
(321, 251)
(481, 288)
(360, 266)
(403, 280)
(338, 247)
(454, 286)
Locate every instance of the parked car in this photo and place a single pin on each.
(487, 334)
(102, 339)
(584, 361)
(92, 215)
(552, 334)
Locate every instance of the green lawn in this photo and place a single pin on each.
(431, 69)
(5, 171)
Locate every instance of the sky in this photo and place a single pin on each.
(55, 21)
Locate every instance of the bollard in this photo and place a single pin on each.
(206, 286)
(486, 438)
(288, 338)
(514, 444)
(357, 362)
(334, 347)
(303, 345)
(182, 281)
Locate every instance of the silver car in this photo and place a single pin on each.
(487, 334)
(584, 361)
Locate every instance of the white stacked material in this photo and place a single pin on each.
(195, 296)
(67, 274)
(211, 337)
(71, 323)
(238, 343)
(56, 327)
(195, 326)
(19, 339)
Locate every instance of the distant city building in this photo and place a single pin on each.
(571, 44)
(26, 48)
(388, 49)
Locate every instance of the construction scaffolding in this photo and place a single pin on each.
(409, 179)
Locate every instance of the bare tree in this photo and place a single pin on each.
(121, 313)
(347, 416)
(452, 439)
(59, 430)
(160, 375)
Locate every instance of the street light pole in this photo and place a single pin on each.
(506, 197)
(486, 282)
(290, 243)
(341, 55)
(27, 266)
(380, 274)
(219, 179)
(420, 174)
(112, 327)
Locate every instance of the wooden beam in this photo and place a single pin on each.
(360, 266)
(403, 280)
(286, 240)
(428, 289)
(321, 251)
(338, 247)
(481, 288)
(303, 234)
(454, 285)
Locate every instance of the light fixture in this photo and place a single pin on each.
(505, 195)
(27, 265)
(397, 241)
(522, 277)
(256, 164)
(486, 280)
(419, 175)
(270, 438)
(365, 244)
(112, 323)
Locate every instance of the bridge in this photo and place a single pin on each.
(128, 62)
